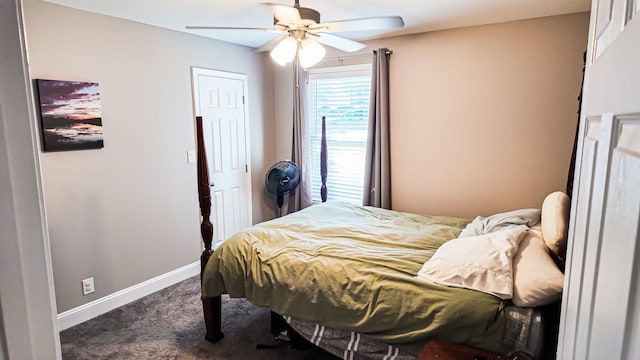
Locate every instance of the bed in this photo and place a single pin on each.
(365, 282)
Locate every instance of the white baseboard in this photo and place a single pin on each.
(100, 306)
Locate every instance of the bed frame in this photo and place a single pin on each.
(212, 307)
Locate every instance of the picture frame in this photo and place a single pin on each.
(70, 115)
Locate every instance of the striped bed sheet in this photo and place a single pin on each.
(347, 345)
(523, 332)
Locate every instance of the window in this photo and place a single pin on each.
(341, 94)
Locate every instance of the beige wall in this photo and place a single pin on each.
(129, 212)
(483, 118)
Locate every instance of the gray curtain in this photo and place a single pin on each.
(301, 197)
(377, 178)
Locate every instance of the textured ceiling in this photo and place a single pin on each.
(418, 15)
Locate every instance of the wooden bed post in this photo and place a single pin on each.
(323, 161)
(211, 307)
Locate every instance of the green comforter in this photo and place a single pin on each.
(354, 268)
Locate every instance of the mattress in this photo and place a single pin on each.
(354, 268)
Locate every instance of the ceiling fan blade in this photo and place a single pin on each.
(373, 23)
(284, 14)
(230, 28)
(269, 45)
(338, 42)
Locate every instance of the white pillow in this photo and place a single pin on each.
(555, 222)
(482, 263)
(537, 281)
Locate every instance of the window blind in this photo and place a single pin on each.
(341, 95)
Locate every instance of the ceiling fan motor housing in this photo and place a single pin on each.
(307, 17)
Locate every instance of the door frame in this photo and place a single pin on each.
(28, 308)
(588, 244)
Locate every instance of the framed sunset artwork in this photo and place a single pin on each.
(70, 115)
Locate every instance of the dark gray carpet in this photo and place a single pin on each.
(169, 325)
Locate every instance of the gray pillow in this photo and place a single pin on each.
(523, 218)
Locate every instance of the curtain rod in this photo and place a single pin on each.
(338, 58)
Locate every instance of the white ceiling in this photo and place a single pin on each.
(419, 15)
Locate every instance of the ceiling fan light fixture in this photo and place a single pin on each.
(285, 51)
(310, 53)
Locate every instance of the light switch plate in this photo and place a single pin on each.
(191, 156)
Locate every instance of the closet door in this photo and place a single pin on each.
(601, 303)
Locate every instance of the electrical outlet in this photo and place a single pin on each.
(87, 286)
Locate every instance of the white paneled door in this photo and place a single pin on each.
(220, 98)
(601, 303)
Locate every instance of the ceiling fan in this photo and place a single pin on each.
(303, 33)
